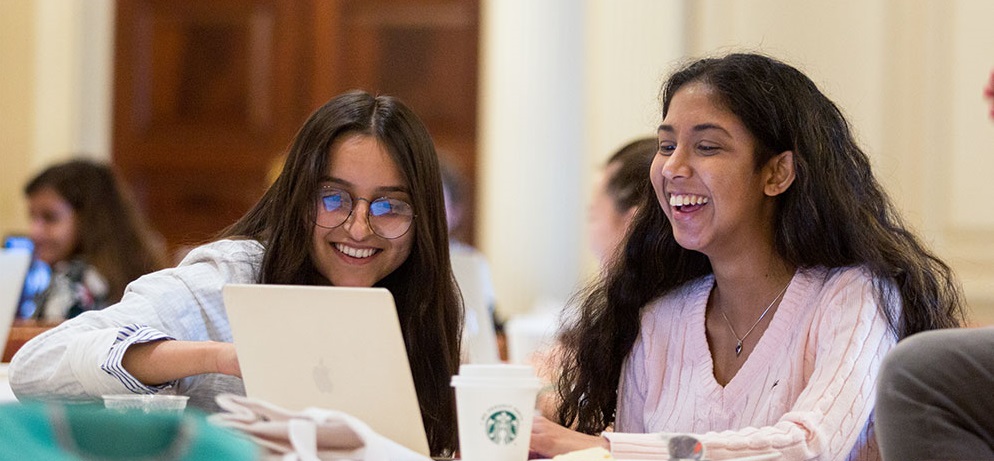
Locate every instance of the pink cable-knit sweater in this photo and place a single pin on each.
(806, 391)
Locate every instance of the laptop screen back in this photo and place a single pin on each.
(327, 347)
(13, 267)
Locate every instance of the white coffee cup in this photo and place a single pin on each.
(495, 404)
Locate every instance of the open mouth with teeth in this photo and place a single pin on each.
(358, 253)
(687, 202)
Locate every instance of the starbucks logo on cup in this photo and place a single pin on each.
(502, 425)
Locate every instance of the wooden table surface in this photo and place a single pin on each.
(22, 331)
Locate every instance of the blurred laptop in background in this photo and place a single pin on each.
(14, 263)
(37, 279)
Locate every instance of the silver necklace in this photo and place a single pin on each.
(738, 345)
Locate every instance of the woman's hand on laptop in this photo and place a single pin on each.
(159, 362)
(227, 360)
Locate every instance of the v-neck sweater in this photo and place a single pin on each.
(805, 391)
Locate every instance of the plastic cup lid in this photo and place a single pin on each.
(496, 370)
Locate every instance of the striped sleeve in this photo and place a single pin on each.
(127, 336)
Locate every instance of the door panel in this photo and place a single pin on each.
(208, 95)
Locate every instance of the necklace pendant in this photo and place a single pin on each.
(738, 348)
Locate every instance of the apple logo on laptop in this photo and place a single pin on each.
(322, 377)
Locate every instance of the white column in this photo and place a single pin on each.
(531, 132)
(95, 61)
(74, 67)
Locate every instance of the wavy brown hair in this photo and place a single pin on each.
(428, 304)
(112, 236)
(834, 215)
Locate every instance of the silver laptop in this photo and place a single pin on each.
(479, 340)
(14, 265)
(327, 347)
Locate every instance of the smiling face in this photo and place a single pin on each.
(705, 177)
(352, 255)
(53, 225)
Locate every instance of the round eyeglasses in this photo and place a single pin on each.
(387, 217)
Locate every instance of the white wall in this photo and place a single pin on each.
(964, 148)
(55, 92)
(839, 44)
(17, 121)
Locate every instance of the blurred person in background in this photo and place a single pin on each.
(457, 202)
(623, 183)
(86, 227)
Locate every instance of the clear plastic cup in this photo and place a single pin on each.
(146, 403)
(495, 405)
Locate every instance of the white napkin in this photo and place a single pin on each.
(314, 434)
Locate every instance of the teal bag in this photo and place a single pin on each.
(64, 432)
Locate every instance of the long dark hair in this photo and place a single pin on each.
(834, 215)
(111, 234)
(423, 287)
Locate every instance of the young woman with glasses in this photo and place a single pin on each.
(358, 203)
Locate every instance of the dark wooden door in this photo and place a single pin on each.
(208, 95)
(425, 52)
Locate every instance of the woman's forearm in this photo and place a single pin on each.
(160, 362)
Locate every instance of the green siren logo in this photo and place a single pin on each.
(502, 426)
